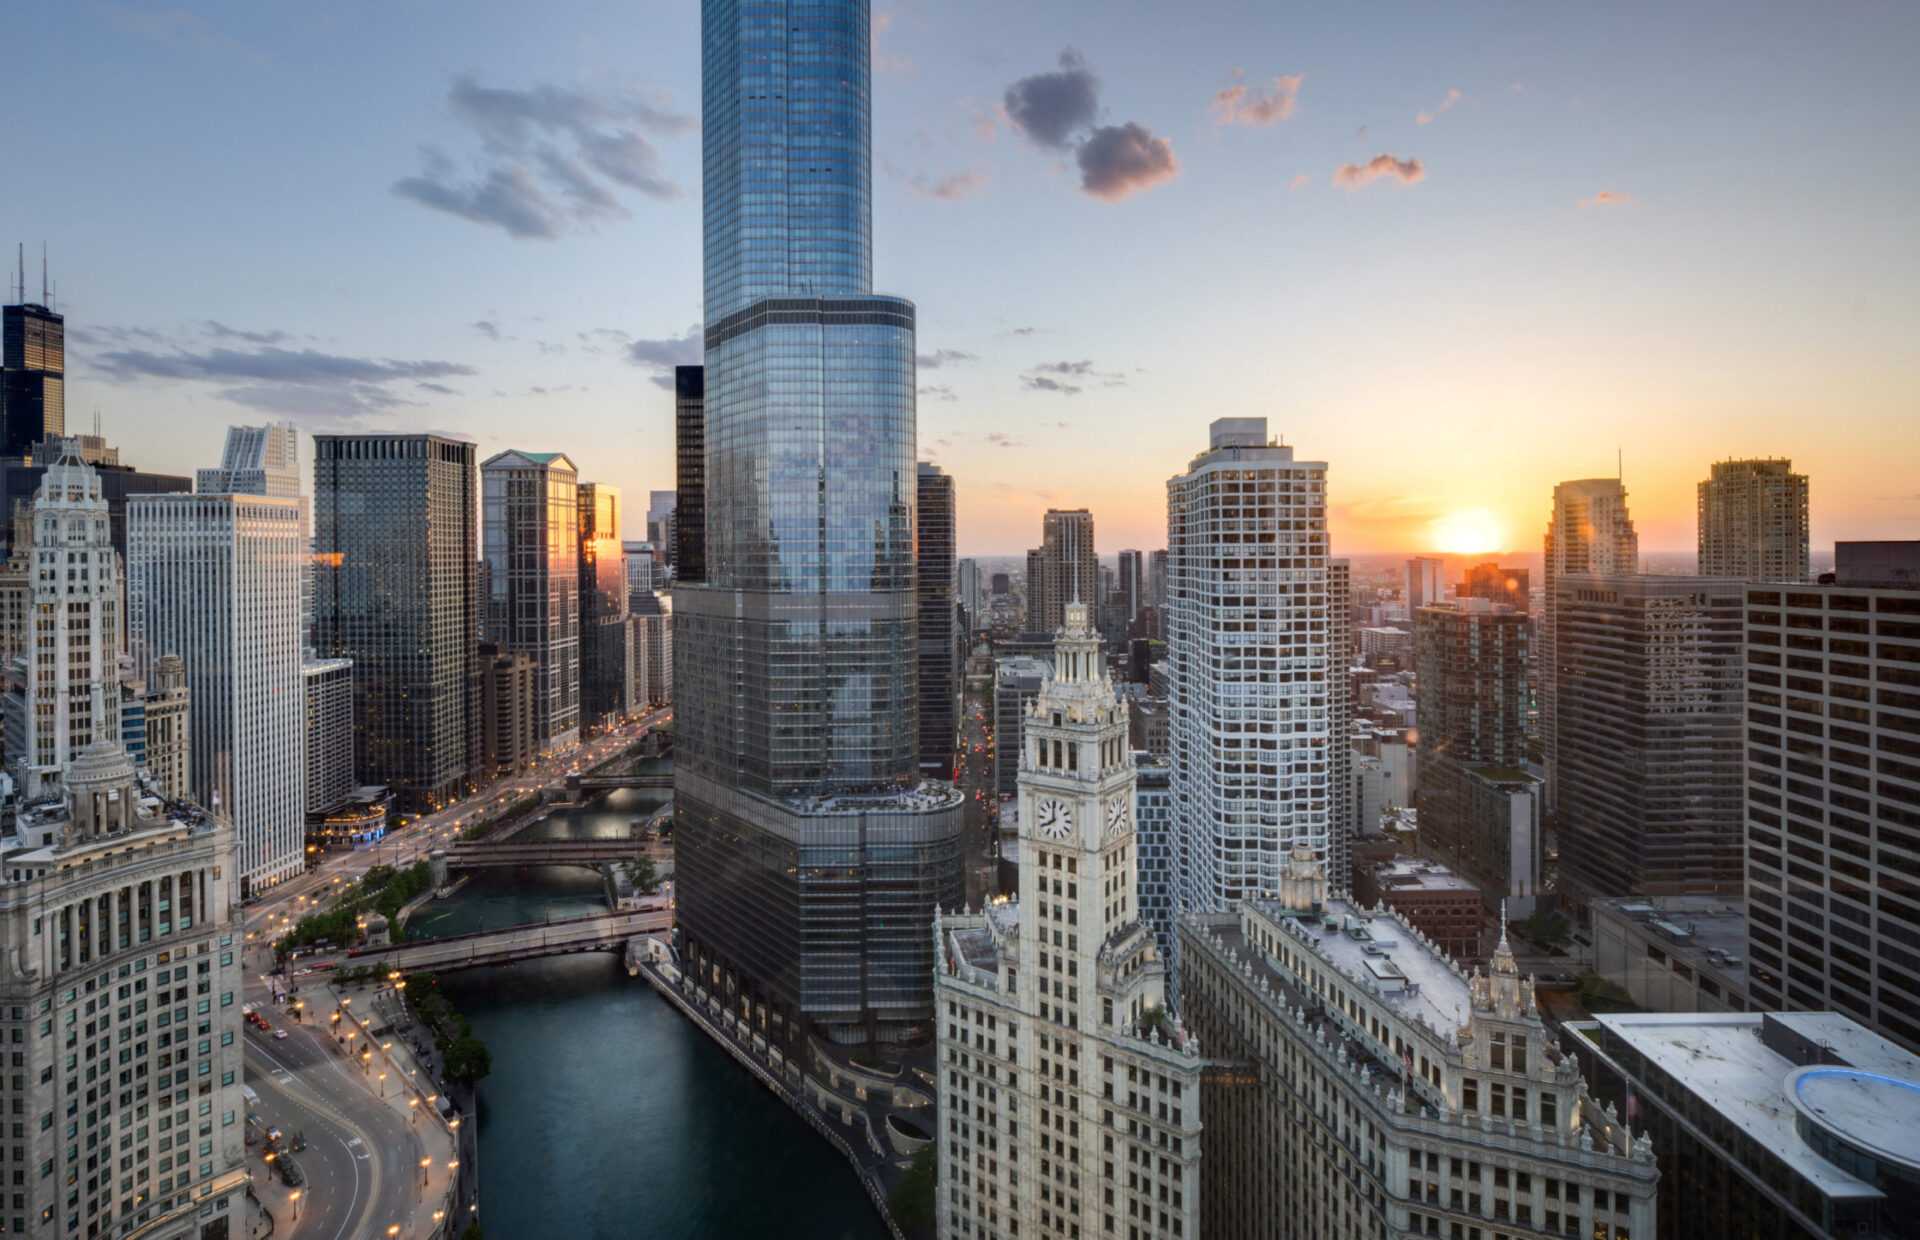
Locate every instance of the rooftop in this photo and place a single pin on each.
(1406, 874)
(1720, 1059)
(1378, 950)
(1691, 927)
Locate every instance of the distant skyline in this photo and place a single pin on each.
(1460, 253)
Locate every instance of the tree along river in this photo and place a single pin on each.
(607, 1114)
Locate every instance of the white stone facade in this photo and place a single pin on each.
(1069, 1099)
(217, 580)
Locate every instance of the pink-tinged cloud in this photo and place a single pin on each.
(1446, 105)
(950, 188)
(1118, 160)
(1300, 181)
(1608, 198)
(1240, 104)
(1354, 176)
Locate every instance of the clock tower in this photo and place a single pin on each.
(1078, 855)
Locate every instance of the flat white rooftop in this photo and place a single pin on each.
(1413, 979)
(1720, 1058)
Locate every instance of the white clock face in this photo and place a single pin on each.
(1053, 819)
(1117, 815)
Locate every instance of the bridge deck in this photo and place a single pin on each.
(601, 932)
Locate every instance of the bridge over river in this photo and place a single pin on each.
(484, 854)
(598, 933)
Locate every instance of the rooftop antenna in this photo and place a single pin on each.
(23, 271)
(46, 299)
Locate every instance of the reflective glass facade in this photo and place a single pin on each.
(33, 365)
(530, 536)
(395, 590)
(811, 859)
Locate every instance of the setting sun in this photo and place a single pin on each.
(1473, 531)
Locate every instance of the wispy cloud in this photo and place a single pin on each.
(301, 383)
(1042, 383)
(487, 328)
(949, 188)
(1608, 198)
(1240, 104)
(938, 391)
(1000, 439)
(550, 157)
(1301, 181)
(944, 357)
(659, 356)
(1354, 176)
(220, 331)
(1453, 96)
(1118, 160)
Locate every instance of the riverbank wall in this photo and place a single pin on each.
(672, 992)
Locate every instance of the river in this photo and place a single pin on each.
(607, 1114)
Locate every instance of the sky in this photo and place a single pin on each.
(1459, 252)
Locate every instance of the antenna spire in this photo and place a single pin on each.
(45, 298)
(23, 270)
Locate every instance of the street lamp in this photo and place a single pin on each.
(425, 1164)
(294, 1196)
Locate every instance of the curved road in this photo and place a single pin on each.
(361, 1160)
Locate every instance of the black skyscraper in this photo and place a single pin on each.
(33, 350)
(939, 653)
(690, 445)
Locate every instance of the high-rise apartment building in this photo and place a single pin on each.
(1071, 1099)
(1753, 522)
(217, 580)
(530, 535)
(934, 518)
(1341, 823)
(1062, 569)
(972, 596)
(1424, 583)
(328, 689)
(111, 898)
(606, 639)
(1650, 689)
(1471, 656)
(169, 706)
(396, 589)
(811, 854)
(1368, 1086)
(1132, 586)
(1833, 791)
(643, 575)
(507, 742)
(1251, 655)
(652, 623)
(72, 689)
(1588, 532)
(33, 374)
(690, 477)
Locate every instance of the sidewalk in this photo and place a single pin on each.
(409, 1090)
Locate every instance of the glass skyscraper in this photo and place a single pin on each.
(33, 375)
(811, 857)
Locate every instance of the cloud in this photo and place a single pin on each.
(1050, 108)
(221, 331)
(550, 157)
(270, 365)
(660, 356)
(1065, 368)
(486, 328)
(505, 197)
(1119, 160)
(1040, 383)
(438, 388)
(1059, 110)
(1608, 198)
(938, 391)
(1240, 104)
(1023, 331)
(944, 357)
(1353, 176)
(1453, 96)
(342, 403)
(1301, 181)
(1000, 439)
(950, 188)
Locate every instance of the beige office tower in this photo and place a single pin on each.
(1588, 532)
(1062, 569)
(1753, 522)
(73, 624)
(169, 741)
(1069, 1098)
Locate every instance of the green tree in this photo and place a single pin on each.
(912, 1199)
(646, 879)
(468, 1060)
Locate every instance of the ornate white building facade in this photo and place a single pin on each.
(1070, 1100)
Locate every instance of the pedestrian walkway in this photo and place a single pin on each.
(392, 1072)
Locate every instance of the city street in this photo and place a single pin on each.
(976, 775)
